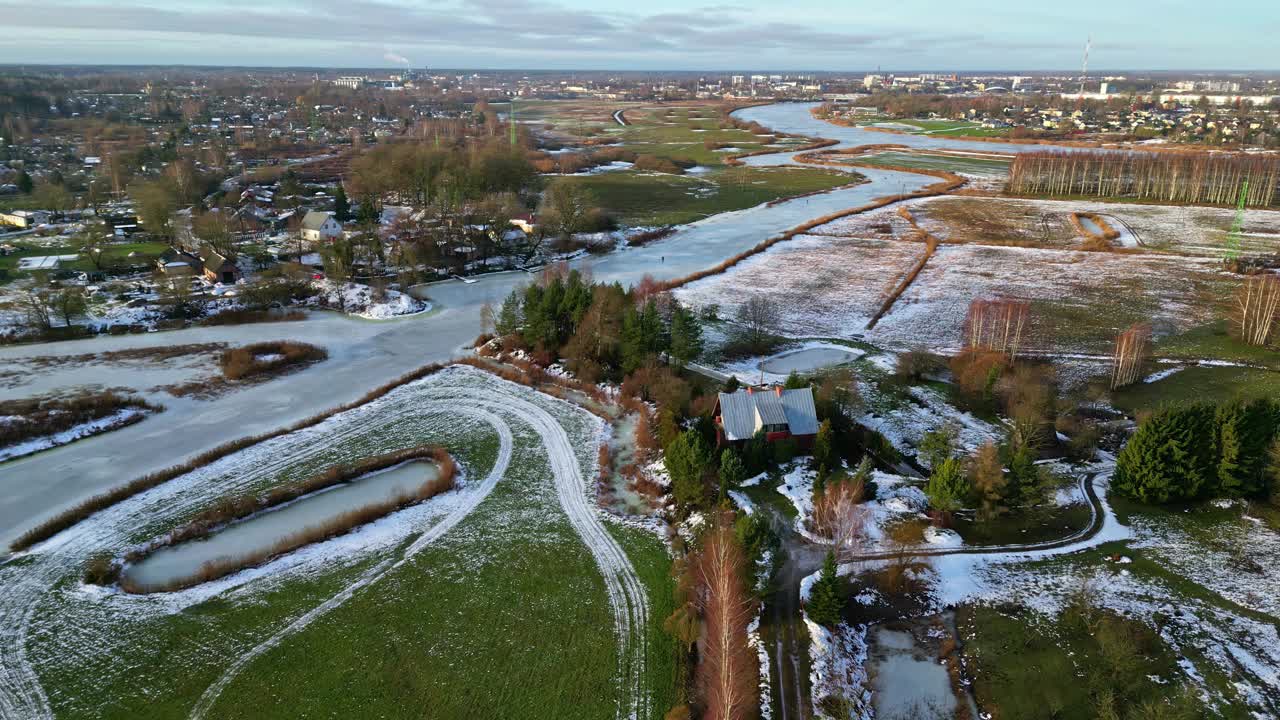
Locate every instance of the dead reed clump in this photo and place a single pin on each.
(49, 415)
(268, 359)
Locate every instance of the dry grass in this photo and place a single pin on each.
(41, 416)
(242, 506)
(268, 358)
(244, 317)
(70, 517)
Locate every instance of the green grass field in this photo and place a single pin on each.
(931, 161)
(660, 199)
(948, 128)
(116, 254)
(1198, 383)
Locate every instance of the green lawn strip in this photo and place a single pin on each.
(930, 161)
(664, 659)
(1215, 341)
(1198, 383)
(660, 199)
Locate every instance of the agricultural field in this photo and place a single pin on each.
(442, 605)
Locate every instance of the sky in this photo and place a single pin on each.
(797, 35)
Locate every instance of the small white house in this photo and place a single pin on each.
(319, 226)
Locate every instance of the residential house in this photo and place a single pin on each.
(319, 226)
(218, 268)
(776, 412)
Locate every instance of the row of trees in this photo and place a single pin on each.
(1199, 451)
(1215, 178)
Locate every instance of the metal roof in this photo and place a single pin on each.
(742, 412)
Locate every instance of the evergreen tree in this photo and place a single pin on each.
(688, 458)
(1244, 432)
(1170, 458)
(823, 446)
(795, 381)
(510, 317)
(25, 183)
(820, 484)
(824, 604)
(686, 335)
(937, 445)
(948, 486)
(732, 472)
(341, 205)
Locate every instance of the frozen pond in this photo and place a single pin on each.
(809, 359)
(908, 682)
(266, 529)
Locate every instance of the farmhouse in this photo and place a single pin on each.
(776, 412)
(318, 226)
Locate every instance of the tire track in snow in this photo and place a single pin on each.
(628, 597)
(377, 572)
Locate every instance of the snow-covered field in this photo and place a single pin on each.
(53, 626)
(831, 286)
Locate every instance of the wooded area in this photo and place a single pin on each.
(1215, 178)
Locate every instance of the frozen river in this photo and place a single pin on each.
(364, 354)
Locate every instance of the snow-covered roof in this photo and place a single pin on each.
(744, 412)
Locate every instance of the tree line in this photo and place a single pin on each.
(1212, 178)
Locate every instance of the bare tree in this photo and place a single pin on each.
(1132, 347)
(997, 325)
(840, 515)
(1256, 305)
(728, 672)
(759, 317)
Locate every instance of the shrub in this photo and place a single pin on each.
(268, 359)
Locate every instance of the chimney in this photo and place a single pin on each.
(748, 390)
(778, 389)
